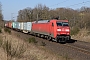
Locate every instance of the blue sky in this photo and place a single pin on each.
(13, 6)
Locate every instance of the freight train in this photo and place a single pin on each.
(55, 30)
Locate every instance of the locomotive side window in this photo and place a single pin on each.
(52, 24)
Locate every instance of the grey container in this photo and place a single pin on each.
(18, 25)
(21, 25)
(29, 26)
(25, 26)
(15, 25)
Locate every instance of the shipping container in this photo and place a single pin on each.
(21, 26)
(29, 26)
(18, 25)
(10, 24)
(25, 26)
(15, 25)
(6, 24)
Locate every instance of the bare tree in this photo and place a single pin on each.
(77, 18)
(1, 16)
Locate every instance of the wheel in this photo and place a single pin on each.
(49, 38)
(57, 40)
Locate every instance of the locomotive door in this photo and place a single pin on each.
(51, 29)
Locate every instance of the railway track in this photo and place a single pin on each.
(82, 50)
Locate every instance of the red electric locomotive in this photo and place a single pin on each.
(56, 30)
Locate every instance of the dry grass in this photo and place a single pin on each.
(31, 51)
(83, 35)
(3, 55)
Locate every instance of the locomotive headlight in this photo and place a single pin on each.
(67, 29)
(58, 29)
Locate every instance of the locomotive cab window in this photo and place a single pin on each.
(62, 23)
(59, 23)
(65, 23)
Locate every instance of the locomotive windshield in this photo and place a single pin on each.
(62, 23)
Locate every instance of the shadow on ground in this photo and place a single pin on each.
(71, 41)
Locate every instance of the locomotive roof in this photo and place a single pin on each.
(41, 21)
(46, 21)
(62, 20)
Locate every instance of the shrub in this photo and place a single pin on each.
(88, 32)
(12, 51)
(1, 41)
(7, 47)
(43, 43)
(74, 31)
(7, 30)
(18, 51)
(32, 40)
(0, 30)
(18, 35)
(66, 57)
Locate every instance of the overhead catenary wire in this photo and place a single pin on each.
(79, 3)
(59, 3)
(84, 2)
